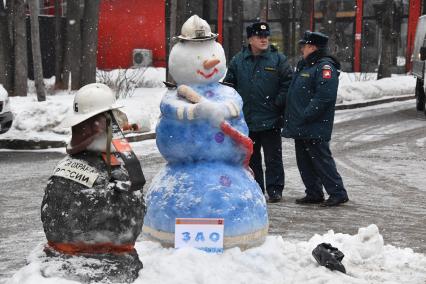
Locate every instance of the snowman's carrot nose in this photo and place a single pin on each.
(210, 63)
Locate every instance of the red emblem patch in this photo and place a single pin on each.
(326, 74)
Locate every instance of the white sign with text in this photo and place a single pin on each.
(201, 233)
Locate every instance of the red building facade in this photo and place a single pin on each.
(125, 25)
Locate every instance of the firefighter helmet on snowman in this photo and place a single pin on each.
(196, 29)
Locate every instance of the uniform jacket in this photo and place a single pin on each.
(311, 98)
(82, 203)
(262, 81)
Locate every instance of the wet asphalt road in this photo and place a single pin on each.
(380, 153)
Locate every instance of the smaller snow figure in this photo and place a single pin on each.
(203, 136)
(93, 206)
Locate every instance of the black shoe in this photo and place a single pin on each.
(309, 200)
(335, 201)
(329, 256)
(275, 197)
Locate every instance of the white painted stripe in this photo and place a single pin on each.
(180, 111)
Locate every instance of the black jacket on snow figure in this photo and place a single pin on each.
(262, 81)
(82, 204)
(311, 98)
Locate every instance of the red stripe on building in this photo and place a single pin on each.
(413, 17)
(358, 33)
(220, 21)
(312, 15)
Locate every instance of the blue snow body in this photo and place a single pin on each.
(205, 176)
(184, 140)
(206, 190)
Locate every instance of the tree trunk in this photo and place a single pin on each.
(36, 51)
(73, 45)
(89, 42)
(21, 61)
(328, 21)
(284, 9)
(294, 45)
(305, 17)
(236, 39)
(185, 9)
(6, 51)
(59, 83)
(385, 11)
(263, 17)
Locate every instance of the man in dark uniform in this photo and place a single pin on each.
(262, 75)
(309, 117)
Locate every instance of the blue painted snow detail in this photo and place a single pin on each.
(204, 177)
(194, 140)
(197, 190)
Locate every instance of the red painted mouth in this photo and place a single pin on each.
(207, 76)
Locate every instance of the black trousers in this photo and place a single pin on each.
(270, 142)
(317, 169)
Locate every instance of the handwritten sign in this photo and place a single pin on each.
(76, 170)
(202, 233)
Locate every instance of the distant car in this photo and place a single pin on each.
(419, 65)
(6, 116)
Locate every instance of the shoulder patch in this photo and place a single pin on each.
(326, 73)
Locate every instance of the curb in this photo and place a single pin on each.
(375, 102)
(20, 144)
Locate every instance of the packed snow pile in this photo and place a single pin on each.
(3, 92)
(40, 120)
(149, 77)
(358, 91)
(367, 260)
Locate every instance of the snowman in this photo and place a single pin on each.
(203, 136)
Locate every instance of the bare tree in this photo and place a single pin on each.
(89, 41)
(73, 44)
(36, 51)
(236, 27)
(185, 9)
(328, 23)
(385, 12)
(263, 10)
(284, 9)
(20, 44)
(6, 50)
(59, 82)
(305, 16)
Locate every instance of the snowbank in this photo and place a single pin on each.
(3, 92)
(367, 260)
(358, 91)
(150, 77)
(40, 120)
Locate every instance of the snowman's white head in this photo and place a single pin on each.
(197, 58)
(201, 62)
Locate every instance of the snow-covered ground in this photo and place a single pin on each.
(367, 260)
(354, 88)
(40, 120)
